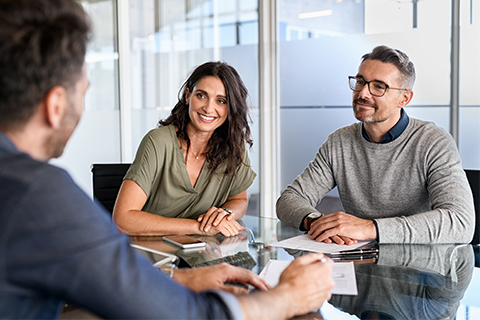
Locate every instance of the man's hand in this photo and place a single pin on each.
(342, 228)
(304, 286)
(309, 281)
(215, 277)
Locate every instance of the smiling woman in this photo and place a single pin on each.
(208, 109)
(195, 166)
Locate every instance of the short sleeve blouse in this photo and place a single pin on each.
(159, 169)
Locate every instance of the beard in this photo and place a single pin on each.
(58, 140)
(368, 116)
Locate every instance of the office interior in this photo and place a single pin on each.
(294, 57)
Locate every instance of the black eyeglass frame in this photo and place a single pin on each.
(370, 90)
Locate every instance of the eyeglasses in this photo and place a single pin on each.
(376, 88)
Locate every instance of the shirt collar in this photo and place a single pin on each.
(7, 148)
(395, 132)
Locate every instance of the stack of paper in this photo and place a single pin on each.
(343, 274)
(304, 242)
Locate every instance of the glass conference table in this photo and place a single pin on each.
(404, 282)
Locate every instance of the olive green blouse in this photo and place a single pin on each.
(159, 169)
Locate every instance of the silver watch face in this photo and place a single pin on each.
(314, 215)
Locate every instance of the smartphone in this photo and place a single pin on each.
(185, 242)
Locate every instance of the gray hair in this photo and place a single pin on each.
(397, 58)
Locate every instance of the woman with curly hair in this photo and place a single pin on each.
(191, 174)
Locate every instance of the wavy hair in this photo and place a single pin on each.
(227, 143)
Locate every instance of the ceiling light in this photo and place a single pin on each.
(315, 14)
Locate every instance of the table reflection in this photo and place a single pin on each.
(411, 282)
(404, 282)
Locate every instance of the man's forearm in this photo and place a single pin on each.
(273, 304)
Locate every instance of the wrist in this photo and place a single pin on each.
(310, 218)
(179, 275)
(273, 304)
(375, 231)
(194, 227)
(283, 294)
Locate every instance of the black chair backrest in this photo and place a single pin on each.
(473, 177)
(107, 179)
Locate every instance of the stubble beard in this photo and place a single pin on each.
(362, 115)
(57, 142)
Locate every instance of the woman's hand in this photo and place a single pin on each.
(212, 218)
(228, 228)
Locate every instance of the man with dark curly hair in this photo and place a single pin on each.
(55, 243)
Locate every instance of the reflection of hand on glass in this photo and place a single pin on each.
(232, 245)
(212, 251)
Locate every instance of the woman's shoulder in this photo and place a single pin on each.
(163, 131)
(161, 135)
(159, 141)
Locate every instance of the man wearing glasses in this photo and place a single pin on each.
(400, 179)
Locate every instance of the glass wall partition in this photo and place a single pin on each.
(169, 38)
(321, 44)
(469, 115)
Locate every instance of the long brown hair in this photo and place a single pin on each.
(227, 143)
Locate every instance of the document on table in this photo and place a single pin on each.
(304, 242)
(343, 274)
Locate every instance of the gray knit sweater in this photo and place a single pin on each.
(413, 187)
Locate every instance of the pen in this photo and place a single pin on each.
(355, 251)
(354, 257)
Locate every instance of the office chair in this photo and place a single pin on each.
(107, 179)
(473, 177)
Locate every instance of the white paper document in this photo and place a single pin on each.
(304, 242)
(343, 274)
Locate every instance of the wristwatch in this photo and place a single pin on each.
(310, 218)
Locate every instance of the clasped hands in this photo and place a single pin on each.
(342, 228)
(216, 220)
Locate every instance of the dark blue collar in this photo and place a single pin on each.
(7, 147)
(395, 132)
